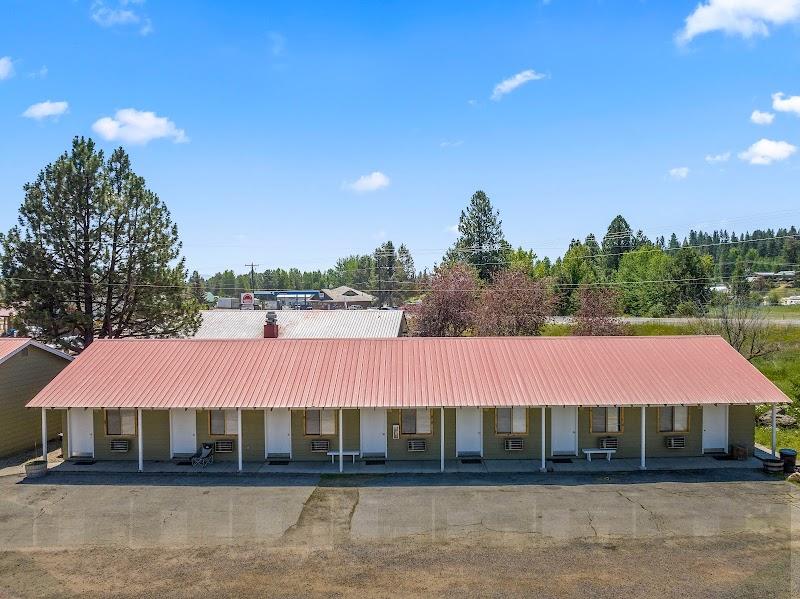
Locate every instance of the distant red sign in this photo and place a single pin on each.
(247, 299)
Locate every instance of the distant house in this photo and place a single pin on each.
(792, 300)
(720, 288)
(344, 297)
(302, 324)
(26, 366)
(6, 314)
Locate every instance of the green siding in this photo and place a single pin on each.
(493, 444)
(21, 378)
(741, 426)
(204, 436)
(398, 448)
(301, 444)
(102, 441)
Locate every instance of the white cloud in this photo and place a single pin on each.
(6, 68)
(46, 109)
(747, 18)
(782, 103)
(767, 151)
(452, 229)
(451, 144)
(679, 172)
(121, 15)
(38, 74)
(277, 43)
(372, 182)
(762, 118)
(717, 158)
(509, 85)
(138, 127)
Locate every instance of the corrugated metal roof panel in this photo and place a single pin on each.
(499, 371)
(301, 324)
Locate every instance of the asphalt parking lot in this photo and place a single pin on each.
(698, 534)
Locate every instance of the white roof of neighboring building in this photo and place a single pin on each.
(343, 293)
(302, 324)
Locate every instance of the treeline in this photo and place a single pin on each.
(388, 273)
(658, 277)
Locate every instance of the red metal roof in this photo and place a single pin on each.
(433, 372)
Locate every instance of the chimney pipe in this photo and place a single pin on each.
(271, 326)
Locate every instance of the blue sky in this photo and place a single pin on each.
(293, 133)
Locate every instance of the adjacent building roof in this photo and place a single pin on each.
(302, 324)
(407, 372)
(347, 294)
(11, 346)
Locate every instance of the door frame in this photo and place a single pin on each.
(727, 426)
(575, 432)
(266, 430)
(172, 429)
(480, 428)
(385, 430)
(71, 430)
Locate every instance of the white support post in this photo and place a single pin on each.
(69, 439)
(239, 435)
(774, 430)
(441, 440)
(341, 442)
(140, 438)
(543, 467)
(44, 435)
(642, 465)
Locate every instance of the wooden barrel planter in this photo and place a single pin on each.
(774, 466)
(36, 468)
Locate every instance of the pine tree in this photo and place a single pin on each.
(480, 242)
(617, 241)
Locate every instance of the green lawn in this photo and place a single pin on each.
(781, 311)
(788, 437)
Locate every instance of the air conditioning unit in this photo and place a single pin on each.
(676, 442)
(223, 446)
(120, 445)
(609, 443)
(320, 445)
(417, 445)
(514, 444)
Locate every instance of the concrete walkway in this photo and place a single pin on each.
(576, 465)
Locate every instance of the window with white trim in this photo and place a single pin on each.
(222, 422)
(120, 422)
(511, 421)
(673, 419)
(606, 420)
(415, 422)
(320, 422)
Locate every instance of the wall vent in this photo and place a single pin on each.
(120, 445)
(320, 445)
(223, 446)
(417, 445)
(514, 444)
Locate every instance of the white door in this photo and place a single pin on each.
(81, 433)
(373, 431)
(183, 431)
(564, 430)
(715, 428)
(469, 429)
(279, 432)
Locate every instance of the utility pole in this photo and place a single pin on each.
(252, 276)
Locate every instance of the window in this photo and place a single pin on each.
(222, 422)
(320, 422)
(415, 422)
(120, 422)
(674, 419)
(510, 421)
(606, 420)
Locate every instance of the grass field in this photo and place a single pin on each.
(788, 437)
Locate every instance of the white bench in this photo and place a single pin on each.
(352, 454)
(608, 452)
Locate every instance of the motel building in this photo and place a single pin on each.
(435, 401)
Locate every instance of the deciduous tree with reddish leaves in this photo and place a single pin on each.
(448, 307)
(514, 304)
(598, 312)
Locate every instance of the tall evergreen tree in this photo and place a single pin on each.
(617, 241)
(96, 254)
(480, 242)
